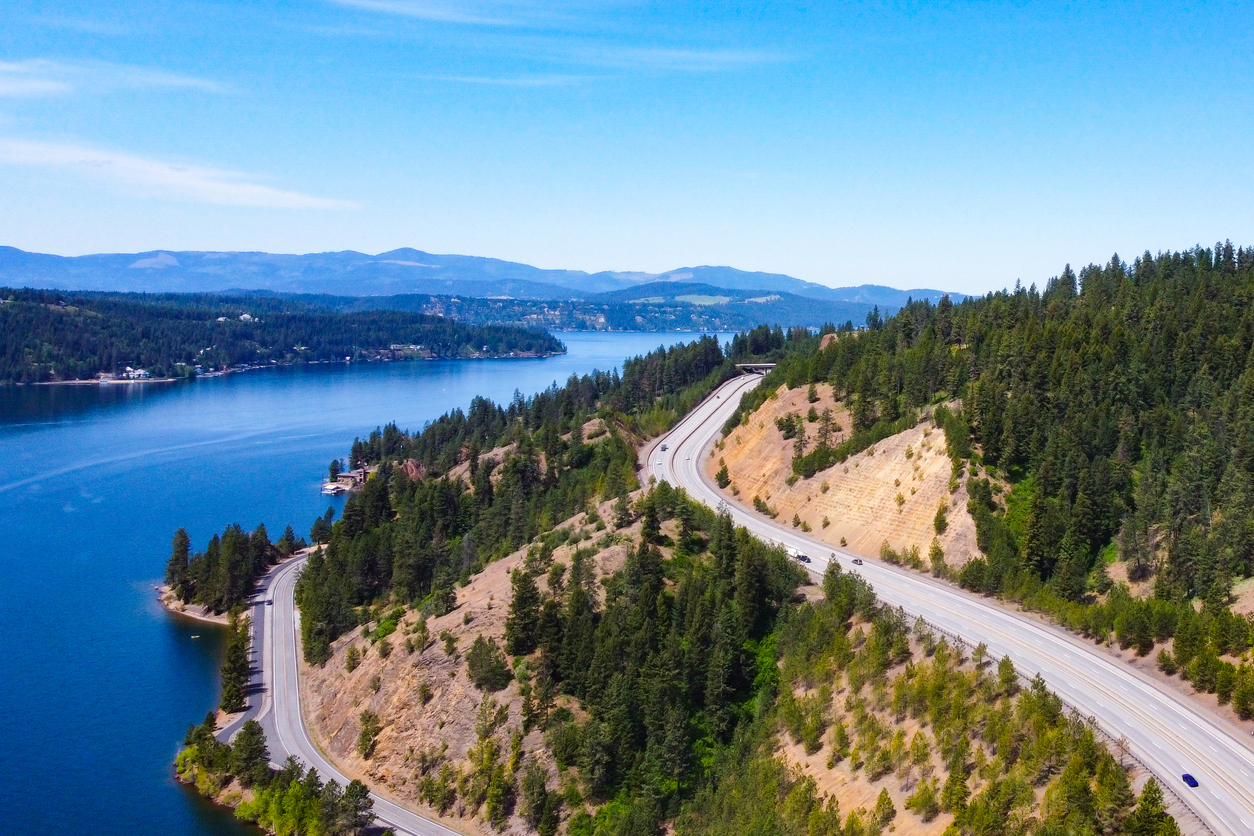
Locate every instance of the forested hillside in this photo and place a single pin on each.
(1108, 417)
(50, 335)
(662, 690)
(417, 538)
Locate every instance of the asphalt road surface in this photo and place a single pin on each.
(1162, 728)
(274, 696)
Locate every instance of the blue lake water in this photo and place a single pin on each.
(98, 683)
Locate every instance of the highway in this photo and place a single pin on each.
(1162, 728)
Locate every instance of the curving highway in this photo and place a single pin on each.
(275, 696)
(1162, 728)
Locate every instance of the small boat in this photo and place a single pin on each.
(196, 636)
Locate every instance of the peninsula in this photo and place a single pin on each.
(57, 336)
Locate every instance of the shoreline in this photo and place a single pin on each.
(196, 612)
(224, 372)
(94, 382)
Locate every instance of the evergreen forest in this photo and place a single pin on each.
(61, 335)
(1106, 417)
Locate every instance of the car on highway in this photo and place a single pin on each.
(857, 561)
(1189, 779)
(663, 448)
(804, 558)
(687, 458)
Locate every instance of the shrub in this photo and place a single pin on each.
(369, 735)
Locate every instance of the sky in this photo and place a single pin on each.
(960, 146)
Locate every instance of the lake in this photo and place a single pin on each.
(99, 682)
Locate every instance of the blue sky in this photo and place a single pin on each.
(950, 145)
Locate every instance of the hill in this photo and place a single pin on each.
(1103, 432)
(853, 503)
(396, 272)
(505, 629)
(54, 336)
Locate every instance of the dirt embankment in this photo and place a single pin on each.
(889, 492)
(393, 687)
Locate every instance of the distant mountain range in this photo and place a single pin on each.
(408, 271)
(655, 306)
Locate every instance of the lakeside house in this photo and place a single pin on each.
(349, 480)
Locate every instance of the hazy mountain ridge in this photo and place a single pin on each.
(396, 272)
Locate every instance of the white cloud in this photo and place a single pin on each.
(663, 58)
(156, 178)
(478, 14)
(47, 77)
(80, 24)
(510, 81)
(573, 25)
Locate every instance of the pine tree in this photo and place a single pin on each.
(884, 809)
(955, 793)
(176, 576)
(235, 666)
(622, 512)
(1150, 814)
(522, 625)
(250, 758)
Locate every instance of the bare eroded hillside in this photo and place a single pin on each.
(888, 492)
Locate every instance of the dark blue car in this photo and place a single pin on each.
(1189, 779)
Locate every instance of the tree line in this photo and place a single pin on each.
(222, 577)
(60, 335)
